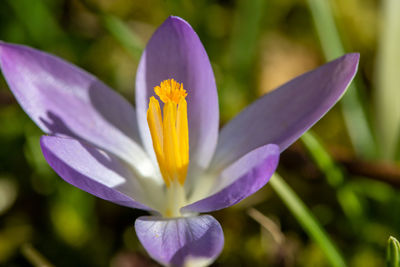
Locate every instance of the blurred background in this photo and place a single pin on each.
(346, 169)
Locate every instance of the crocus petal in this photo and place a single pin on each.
(175, 51)
(67, 101)
(173, 242)
(241, 179)
(283, 115)
(92, 170)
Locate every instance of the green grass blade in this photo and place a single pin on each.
(237, 88)
(246, 31)
(124, 35)
(387, 93)
(354, 114)
(306, 220)
(322, 158)
(348, 199)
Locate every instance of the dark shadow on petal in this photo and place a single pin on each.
(104, 159)
(57, 126)
(87, 184)
(111, 162)
(114, 109)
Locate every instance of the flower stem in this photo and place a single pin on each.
(307, 220)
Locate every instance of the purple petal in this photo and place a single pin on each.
(175, 51)
(175, 241)
(283, 115)
(243, 178)
(92, 170)
(64, 100)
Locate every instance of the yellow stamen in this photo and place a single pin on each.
(172, 157)
(182, 130)
(169, 132)
(154, 119)
(170, 90)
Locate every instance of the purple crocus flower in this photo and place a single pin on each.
(168, 159)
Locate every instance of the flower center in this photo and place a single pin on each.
(170, 136)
